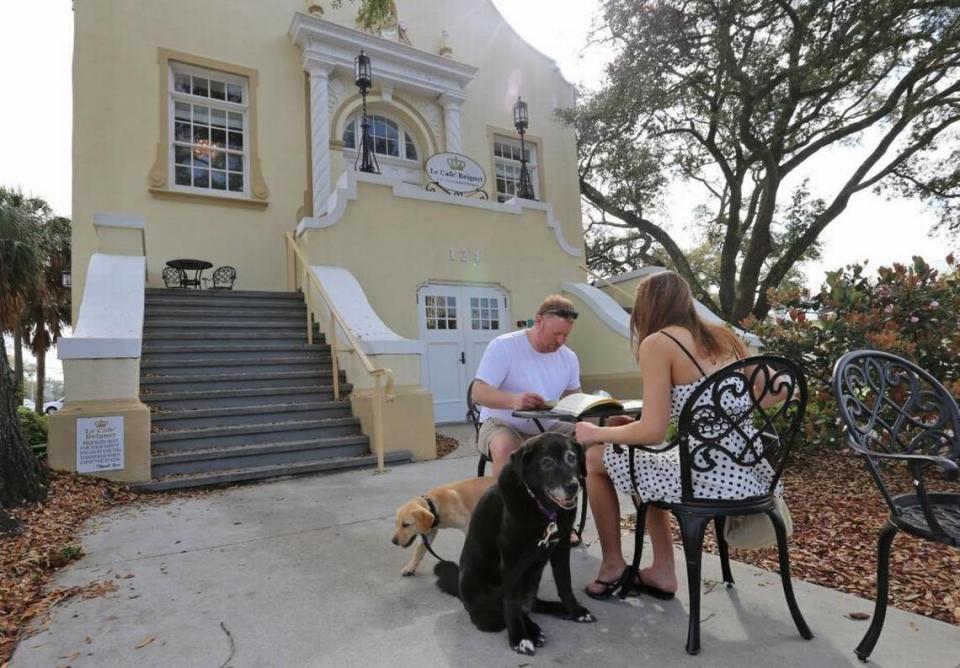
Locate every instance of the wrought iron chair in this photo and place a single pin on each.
(473, 417)
(223, 278)
(724, 405)
(173, 277)
(896, 414)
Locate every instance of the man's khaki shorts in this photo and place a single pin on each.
(492, 426)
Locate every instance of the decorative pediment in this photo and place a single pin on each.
(332, 47)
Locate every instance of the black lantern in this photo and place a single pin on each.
(364, 77)
(521, 121)
(366, 159)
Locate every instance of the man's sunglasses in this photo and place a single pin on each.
(563, 313)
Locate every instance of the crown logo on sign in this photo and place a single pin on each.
(456, 163)
(100, 424)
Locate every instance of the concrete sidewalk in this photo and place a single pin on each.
(300, 572)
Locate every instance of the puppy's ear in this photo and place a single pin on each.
(423, 518)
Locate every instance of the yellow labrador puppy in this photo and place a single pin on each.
(444, 507)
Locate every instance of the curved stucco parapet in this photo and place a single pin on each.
(110, 324)
(603, 306)
(752, 339)
(349, 299)
(346, 191)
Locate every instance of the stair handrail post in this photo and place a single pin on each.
(335, 362)
(378, 419)
(309, 308)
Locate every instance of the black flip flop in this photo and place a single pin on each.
(640, 587)
(609, 588)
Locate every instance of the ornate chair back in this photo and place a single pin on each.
(224, 277)
(173, 277)
(725, 422)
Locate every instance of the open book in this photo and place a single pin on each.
(579, 403)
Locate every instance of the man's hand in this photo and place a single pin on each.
(527, 401)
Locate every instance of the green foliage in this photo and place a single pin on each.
(373, 15)
(909, 310)
(32, 425)
(733, 100)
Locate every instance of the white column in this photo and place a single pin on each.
(319, 135)
(451, 123)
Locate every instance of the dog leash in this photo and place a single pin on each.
(552, 528)
(436, 521)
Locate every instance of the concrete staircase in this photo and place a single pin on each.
(237, 394)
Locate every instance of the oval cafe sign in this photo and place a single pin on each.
(455, 173)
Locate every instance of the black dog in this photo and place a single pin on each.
(519, 524)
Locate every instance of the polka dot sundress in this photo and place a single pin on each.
(658, 473)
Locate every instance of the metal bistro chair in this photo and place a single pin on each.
(895, 414)
(473, 417)
(223, 278)
(173, 277)
(705, 422)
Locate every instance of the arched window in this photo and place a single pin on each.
(390, 138)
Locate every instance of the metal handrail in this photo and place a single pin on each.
(383, 381)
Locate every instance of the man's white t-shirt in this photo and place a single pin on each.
(512, 365)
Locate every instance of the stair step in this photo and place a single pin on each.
(171, 368)
(245, 456)
(152, 293)
(202, 438)
(171, 400)
(213, 311)
(230, 349)
(268, 472)
(195, 334)
(260, 413)
(229, 381)
(248, 322)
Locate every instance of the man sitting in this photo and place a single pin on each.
(520, 371)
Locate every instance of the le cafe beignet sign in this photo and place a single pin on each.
(456, 173)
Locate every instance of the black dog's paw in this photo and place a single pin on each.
(583, 616)
(539, 637)
(525, 647)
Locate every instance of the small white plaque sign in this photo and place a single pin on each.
(456, 173)
(99, 444)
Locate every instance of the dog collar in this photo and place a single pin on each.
(549, 514)
(433, 510)
(550, 533)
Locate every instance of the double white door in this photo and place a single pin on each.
(456, 323)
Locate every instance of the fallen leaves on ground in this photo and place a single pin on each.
(445, 445)
(837, 514)
(49, 541)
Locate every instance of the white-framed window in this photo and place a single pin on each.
(209, 131)
(506, 157)
(390, 138)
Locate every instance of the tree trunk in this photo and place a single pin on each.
(22, 477)
(41, 381)
(18, 364)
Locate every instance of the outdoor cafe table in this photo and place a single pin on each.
(185, 265)
(601, 414)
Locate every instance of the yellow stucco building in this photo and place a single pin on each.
(229, 132)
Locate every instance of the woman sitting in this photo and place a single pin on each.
(675, 350)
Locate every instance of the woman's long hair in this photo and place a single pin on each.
(664, 300)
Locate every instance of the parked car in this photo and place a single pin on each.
(48, 406)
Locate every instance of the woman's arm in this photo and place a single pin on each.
(654, 359)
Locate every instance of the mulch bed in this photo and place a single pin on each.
(445, 445)
(837, 513)
(49, 541)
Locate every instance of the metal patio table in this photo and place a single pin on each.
(185, 265)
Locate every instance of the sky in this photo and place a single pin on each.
(35, 126)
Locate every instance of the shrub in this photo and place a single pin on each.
(909, 310)
(33, 426)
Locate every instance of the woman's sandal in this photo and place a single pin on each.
(609, 588)
(638, 587)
